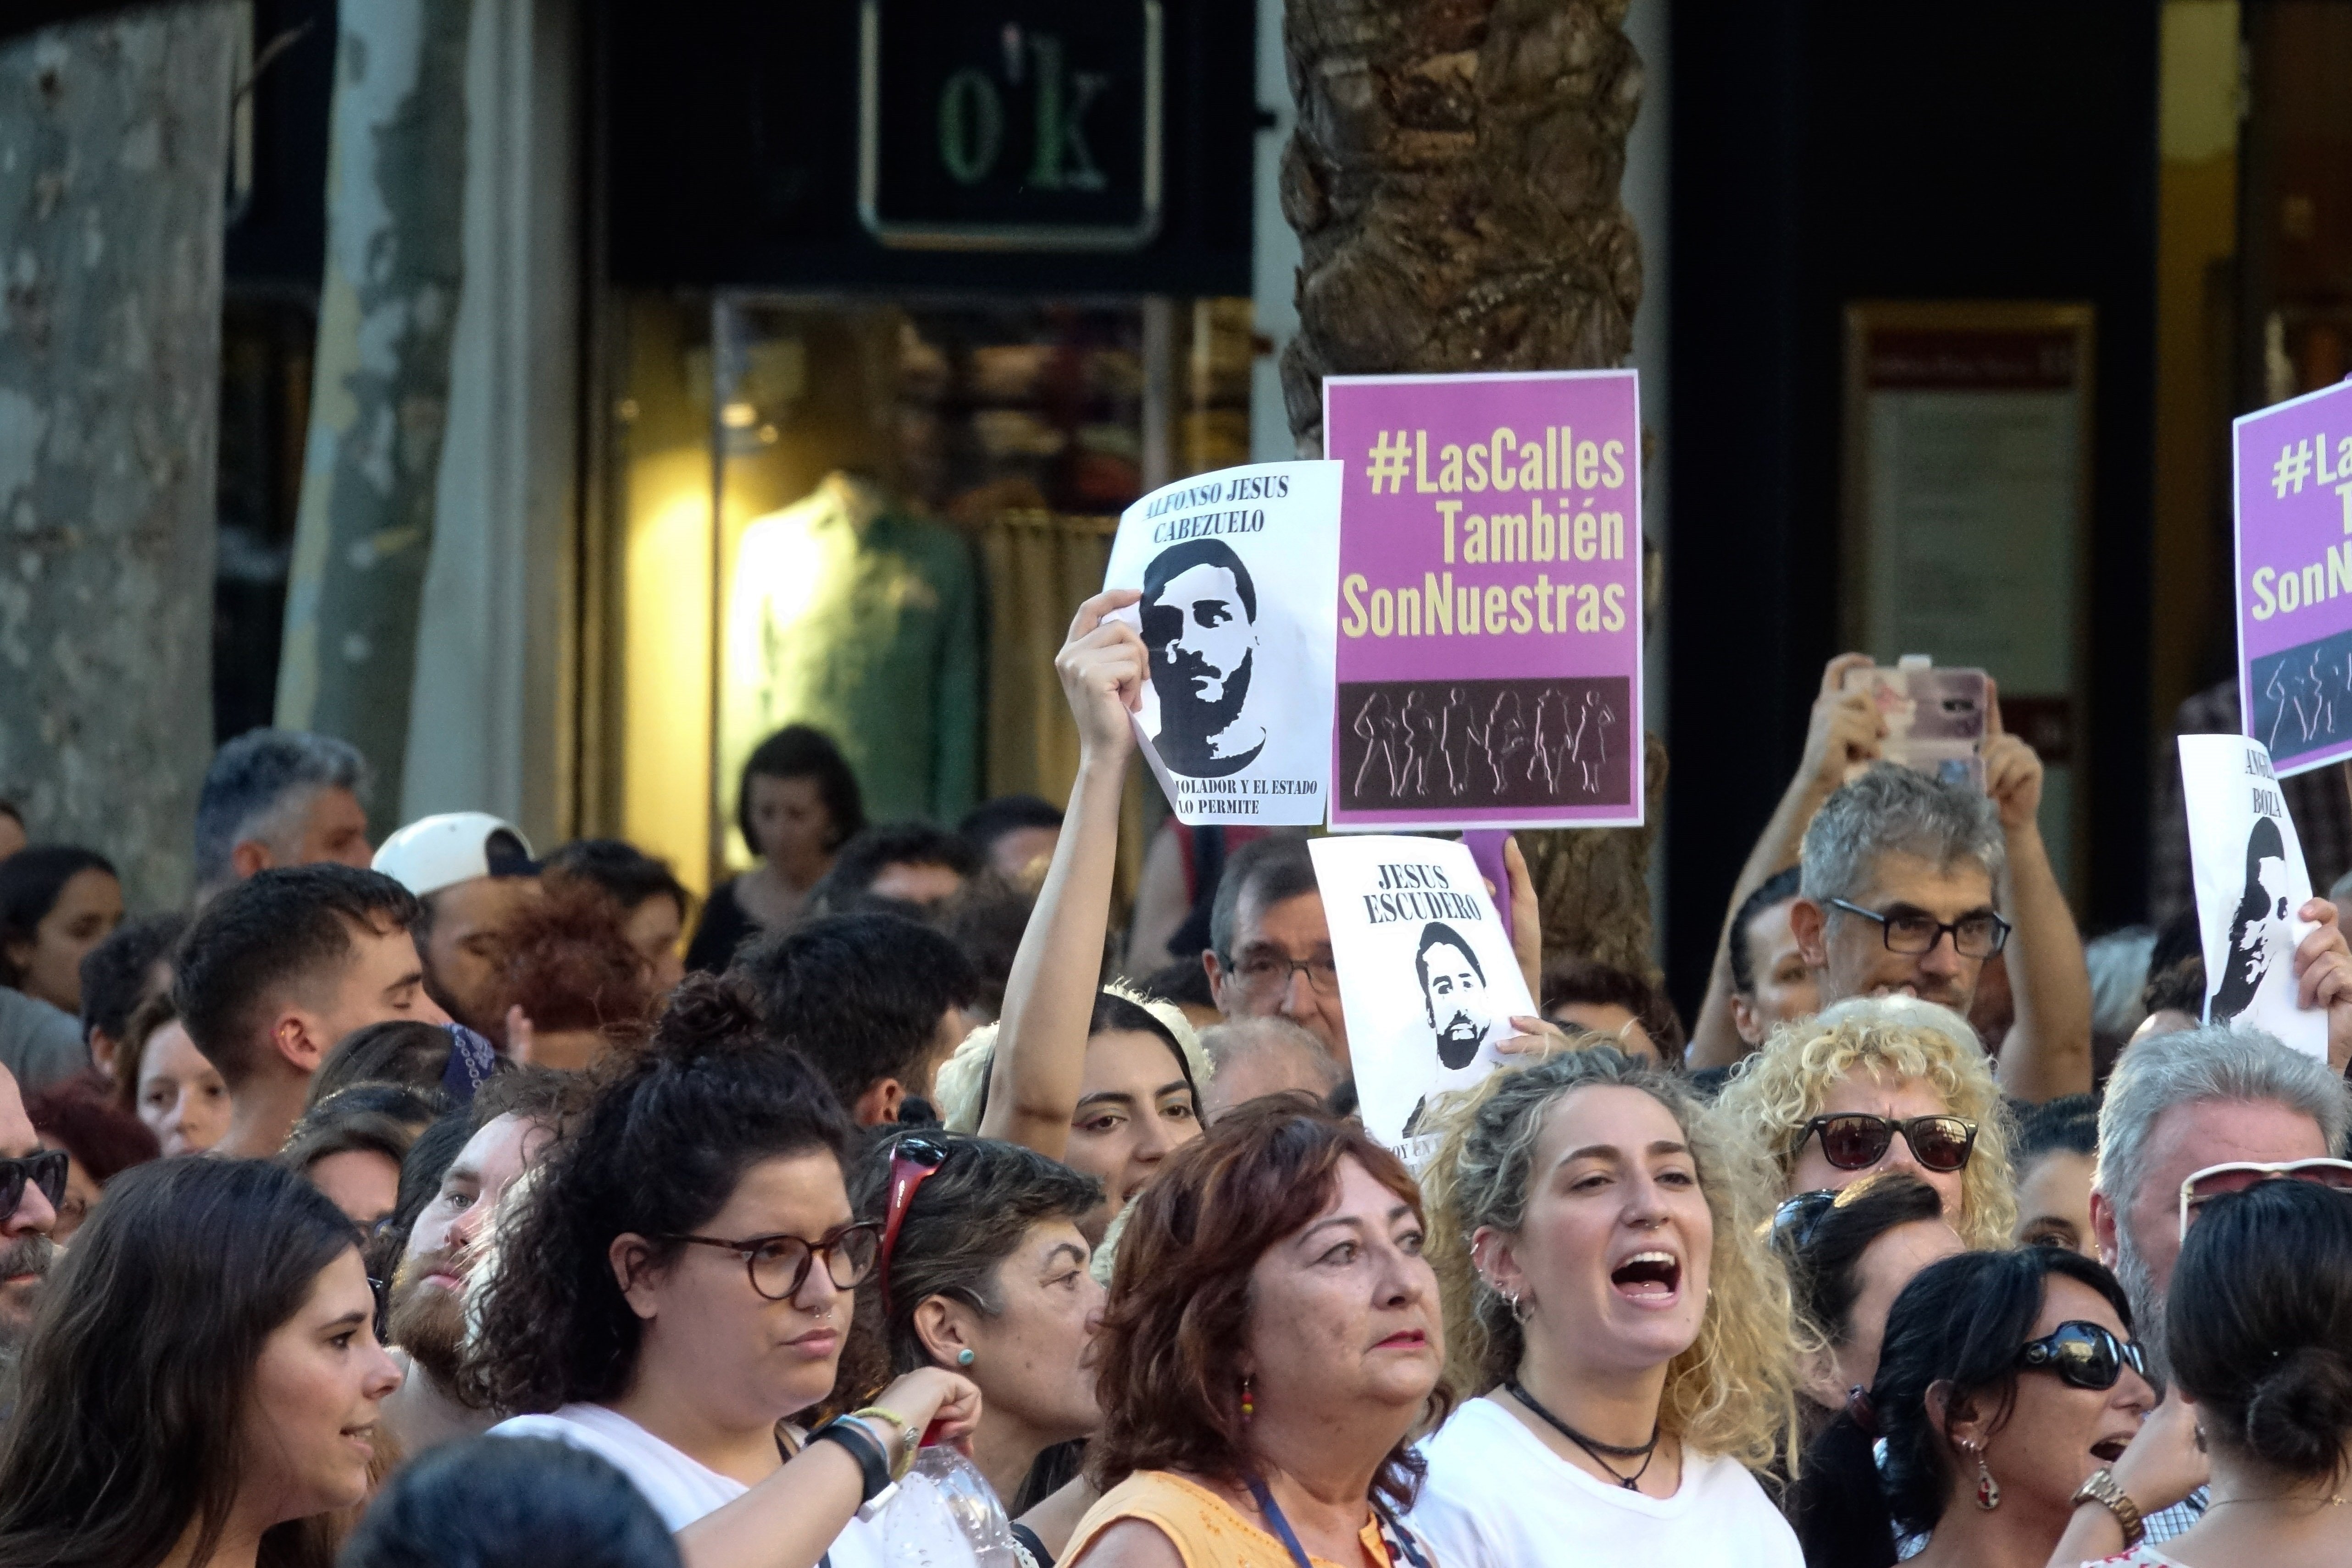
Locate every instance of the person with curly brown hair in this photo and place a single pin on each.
(1273, 1340)
(674, 1287)
(570, 983)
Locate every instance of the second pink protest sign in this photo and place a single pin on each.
(1489, 664)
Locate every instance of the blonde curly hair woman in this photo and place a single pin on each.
(1878, 1084)
(1599, 1246)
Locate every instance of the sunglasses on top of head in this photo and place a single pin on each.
(2237, 1176)
(1856, 1140)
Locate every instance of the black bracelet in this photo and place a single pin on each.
(871, 1460)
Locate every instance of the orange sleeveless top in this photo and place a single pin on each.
(1206, 1531)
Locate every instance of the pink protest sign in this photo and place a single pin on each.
(2293, 479)
(1489, 664)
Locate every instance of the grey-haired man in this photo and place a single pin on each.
(2178, 1105)
(1904, 887)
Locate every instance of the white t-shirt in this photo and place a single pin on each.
(1496, 1498)
(681, 1488)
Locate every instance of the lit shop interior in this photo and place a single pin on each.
(879, 373)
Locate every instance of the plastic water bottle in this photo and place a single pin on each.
(945, 1515)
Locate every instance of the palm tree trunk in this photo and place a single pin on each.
(1453, 181)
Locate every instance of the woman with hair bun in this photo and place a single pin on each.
(675, 1288)
(1608, 1289)
(2259, 1332)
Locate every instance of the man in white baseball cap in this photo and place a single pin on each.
(469, 870)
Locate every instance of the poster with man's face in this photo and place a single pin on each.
(1239, 573)
(2252, 886)
(1426, 973)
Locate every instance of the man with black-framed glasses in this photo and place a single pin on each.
(1914, 885)
(31, 1183)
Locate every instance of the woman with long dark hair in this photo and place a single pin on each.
(57, 902)
(201, 1387)
(677, 1287)
(2007, 1381)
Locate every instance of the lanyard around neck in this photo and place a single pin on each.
(1280, 1525)
(1273, 1513)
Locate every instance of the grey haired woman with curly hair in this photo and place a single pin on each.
(1606, 1283)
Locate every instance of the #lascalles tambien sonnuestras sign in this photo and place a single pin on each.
(1489, 654)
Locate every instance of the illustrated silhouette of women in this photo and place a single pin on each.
(2262, 938)
(1592, 739)
(1506, 733)
(1376, 723)
(1456, 739)
(1420, 727)
(1551, 739)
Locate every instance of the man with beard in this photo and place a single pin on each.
(2178, 1105)
(31, 1183)
(515, 1118)
(1200, 615)
(1452, 993)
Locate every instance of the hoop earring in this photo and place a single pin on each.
(1521, 1312)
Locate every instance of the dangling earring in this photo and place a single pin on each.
(1249, 1402)
(1988, 1489)
(966, 1356)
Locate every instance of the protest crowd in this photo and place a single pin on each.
(443, 1201)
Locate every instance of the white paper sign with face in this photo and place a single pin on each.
(2250, 885)
(1426, 974)
(1239, 573)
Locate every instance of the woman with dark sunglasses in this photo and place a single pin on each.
(675, 1288)
(2006, 1382)
(983, 1271)
(1880, 1083)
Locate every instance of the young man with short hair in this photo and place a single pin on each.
(1771, 981)
(875, 1002)
(279, 967)
(470, 871)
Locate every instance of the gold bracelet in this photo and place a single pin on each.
(907, 1437)
(2102, 1490)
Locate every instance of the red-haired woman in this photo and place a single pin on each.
(1272, 1337)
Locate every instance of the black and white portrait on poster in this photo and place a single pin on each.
(1239, 573)
(2252, 886)
(1426, 973)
